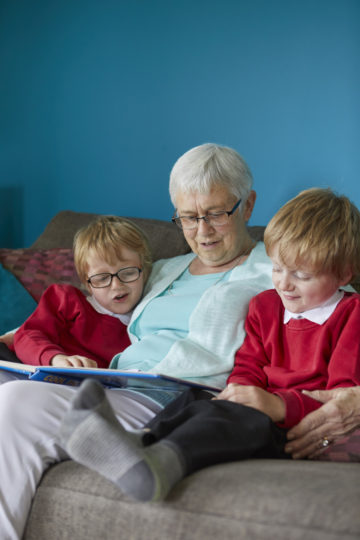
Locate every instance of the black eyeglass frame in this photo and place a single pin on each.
(207, 218)
(114, 275)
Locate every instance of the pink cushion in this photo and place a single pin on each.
(37, 269)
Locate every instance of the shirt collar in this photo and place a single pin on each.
(123, 317)
(318, 315)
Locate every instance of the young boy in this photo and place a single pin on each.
(303, 335)
(113, 261)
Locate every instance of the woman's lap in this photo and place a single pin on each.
(30, 416)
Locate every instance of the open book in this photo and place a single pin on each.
(108, 377)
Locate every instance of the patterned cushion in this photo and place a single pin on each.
(37, 269)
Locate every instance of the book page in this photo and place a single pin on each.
(18, 367)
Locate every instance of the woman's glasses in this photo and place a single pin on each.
(214, 220)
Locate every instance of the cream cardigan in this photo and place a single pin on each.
(216, 326)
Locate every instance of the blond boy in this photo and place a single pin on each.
(69, 328)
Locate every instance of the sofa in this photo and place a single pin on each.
(250, 500)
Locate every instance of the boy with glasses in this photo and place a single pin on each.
(69, 329)
(302, 335)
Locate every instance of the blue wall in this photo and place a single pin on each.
(99, 98)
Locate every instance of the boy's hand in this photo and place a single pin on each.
(257, 398)
(8, 338)
(62, 360)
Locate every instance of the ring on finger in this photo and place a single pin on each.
(325, 442)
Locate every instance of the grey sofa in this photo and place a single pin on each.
(252, 500)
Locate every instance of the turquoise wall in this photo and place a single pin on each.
(99, 98)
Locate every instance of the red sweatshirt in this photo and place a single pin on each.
(65, 323)
(287, 358)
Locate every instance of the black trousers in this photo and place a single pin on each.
(7, 354)
(207, 432)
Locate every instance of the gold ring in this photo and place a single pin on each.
(325, 442)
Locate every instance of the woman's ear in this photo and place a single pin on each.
(249, 205)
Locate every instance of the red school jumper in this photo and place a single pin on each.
(65, 323)
(287, 358)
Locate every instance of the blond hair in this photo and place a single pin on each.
(107, 235)
(317, 228)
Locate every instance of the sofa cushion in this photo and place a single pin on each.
(37, 269)
(257, 499)
(17, 304)
(166, 240)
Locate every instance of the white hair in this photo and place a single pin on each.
(209, 165)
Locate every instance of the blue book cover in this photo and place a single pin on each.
(110, 378)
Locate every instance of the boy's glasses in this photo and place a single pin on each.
(125, 275)
(214, 220)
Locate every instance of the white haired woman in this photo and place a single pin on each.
(189, 323)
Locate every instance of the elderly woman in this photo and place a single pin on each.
(189, 323)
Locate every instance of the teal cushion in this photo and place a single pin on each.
(16, 302)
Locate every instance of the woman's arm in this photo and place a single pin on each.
(339, 416)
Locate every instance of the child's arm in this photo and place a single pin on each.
(251, 359)
(344, 365)
(41, 336)
(63, 360)
(8, 338)
(343, 356)
(257, 398)
(343, 369)
(247, 382)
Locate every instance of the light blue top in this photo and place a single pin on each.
(204, 350)
(166, 319)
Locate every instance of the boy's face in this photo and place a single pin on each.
(118, 297)
(299, 288)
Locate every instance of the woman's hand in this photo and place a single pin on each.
(62, 360)
(8, 338)
(257, 398)
(339, 415)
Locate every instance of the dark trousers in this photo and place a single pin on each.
(207, 432)
(7, 354)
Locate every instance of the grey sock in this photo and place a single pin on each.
(151, 479)
(89, 400)
(92, 435)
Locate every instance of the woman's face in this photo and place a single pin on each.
(216, 246)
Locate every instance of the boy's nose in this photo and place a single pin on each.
(285, 283)
(115, 282)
